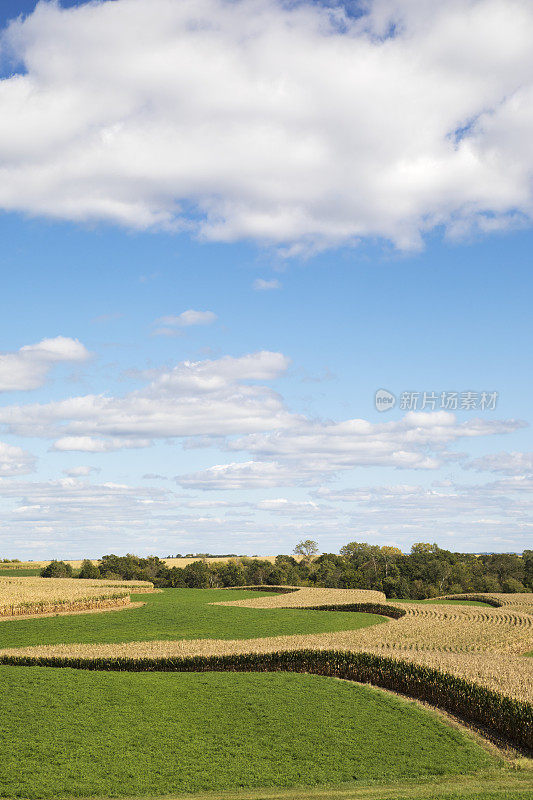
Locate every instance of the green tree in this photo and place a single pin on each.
(89, 570)
(56, 569)
(306, 548)
(424, 548)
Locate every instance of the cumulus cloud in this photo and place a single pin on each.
(261, 285)
(308, 453)
(295, 124)
(172, 325)
(202, 398)
(506, 463)
(15, 461)
(243, 475)
(81, 471)
(28, 367)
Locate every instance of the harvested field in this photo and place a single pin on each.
(304, 597)
(173, 614)
(182, 562)
(481, 644)
(520, 600)
(505, 673)
(170, 562)
(22, 596)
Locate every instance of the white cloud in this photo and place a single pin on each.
(506, 463)
(188, 318)
(167, 331)
(261, 285)
(488, 516)
(308, 453)
(28, 367)
(294, 124)
(282, 506)
(89, 444)
(244, 475)
(203, 398)
(73, 518)
(76, 518)
(81, 471)
(15, 461)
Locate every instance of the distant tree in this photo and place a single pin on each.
(306, 548)
(89, 570)
(197, 575)
(353, 549)
(424, 548)
(389, 550)
(56, 569)
(512, 585)
(388, 554)
(527, 556)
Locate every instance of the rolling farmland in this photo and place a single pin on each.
(465, 655)
(483, 644)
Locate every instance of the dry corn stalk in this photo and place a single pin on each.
(480, 644)
(22, 596)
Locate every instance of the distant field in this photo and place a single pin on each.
(135, 734)
(180, 614)
(11, 572)
(35, 566)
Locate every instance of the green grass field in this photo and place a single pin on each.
(180, 614)
(19, 573)
(75, 733)
(501, 784)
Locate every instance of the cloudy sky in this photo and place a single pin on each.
(224, 227)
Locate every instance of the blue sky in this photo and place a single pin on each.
(204, 285)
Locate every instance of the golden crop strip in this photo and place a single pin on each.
(170, 562)
(480, 644)
(303, 597)
(24, 596)
(505, 673)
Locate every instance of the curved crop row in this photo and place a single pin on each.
(368, 608)
(520, 600)
(305, 597)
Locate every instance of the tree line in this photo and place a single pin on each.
(427, 571)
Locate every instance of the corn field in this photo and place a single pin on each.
(465, 659)
(28, 596)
